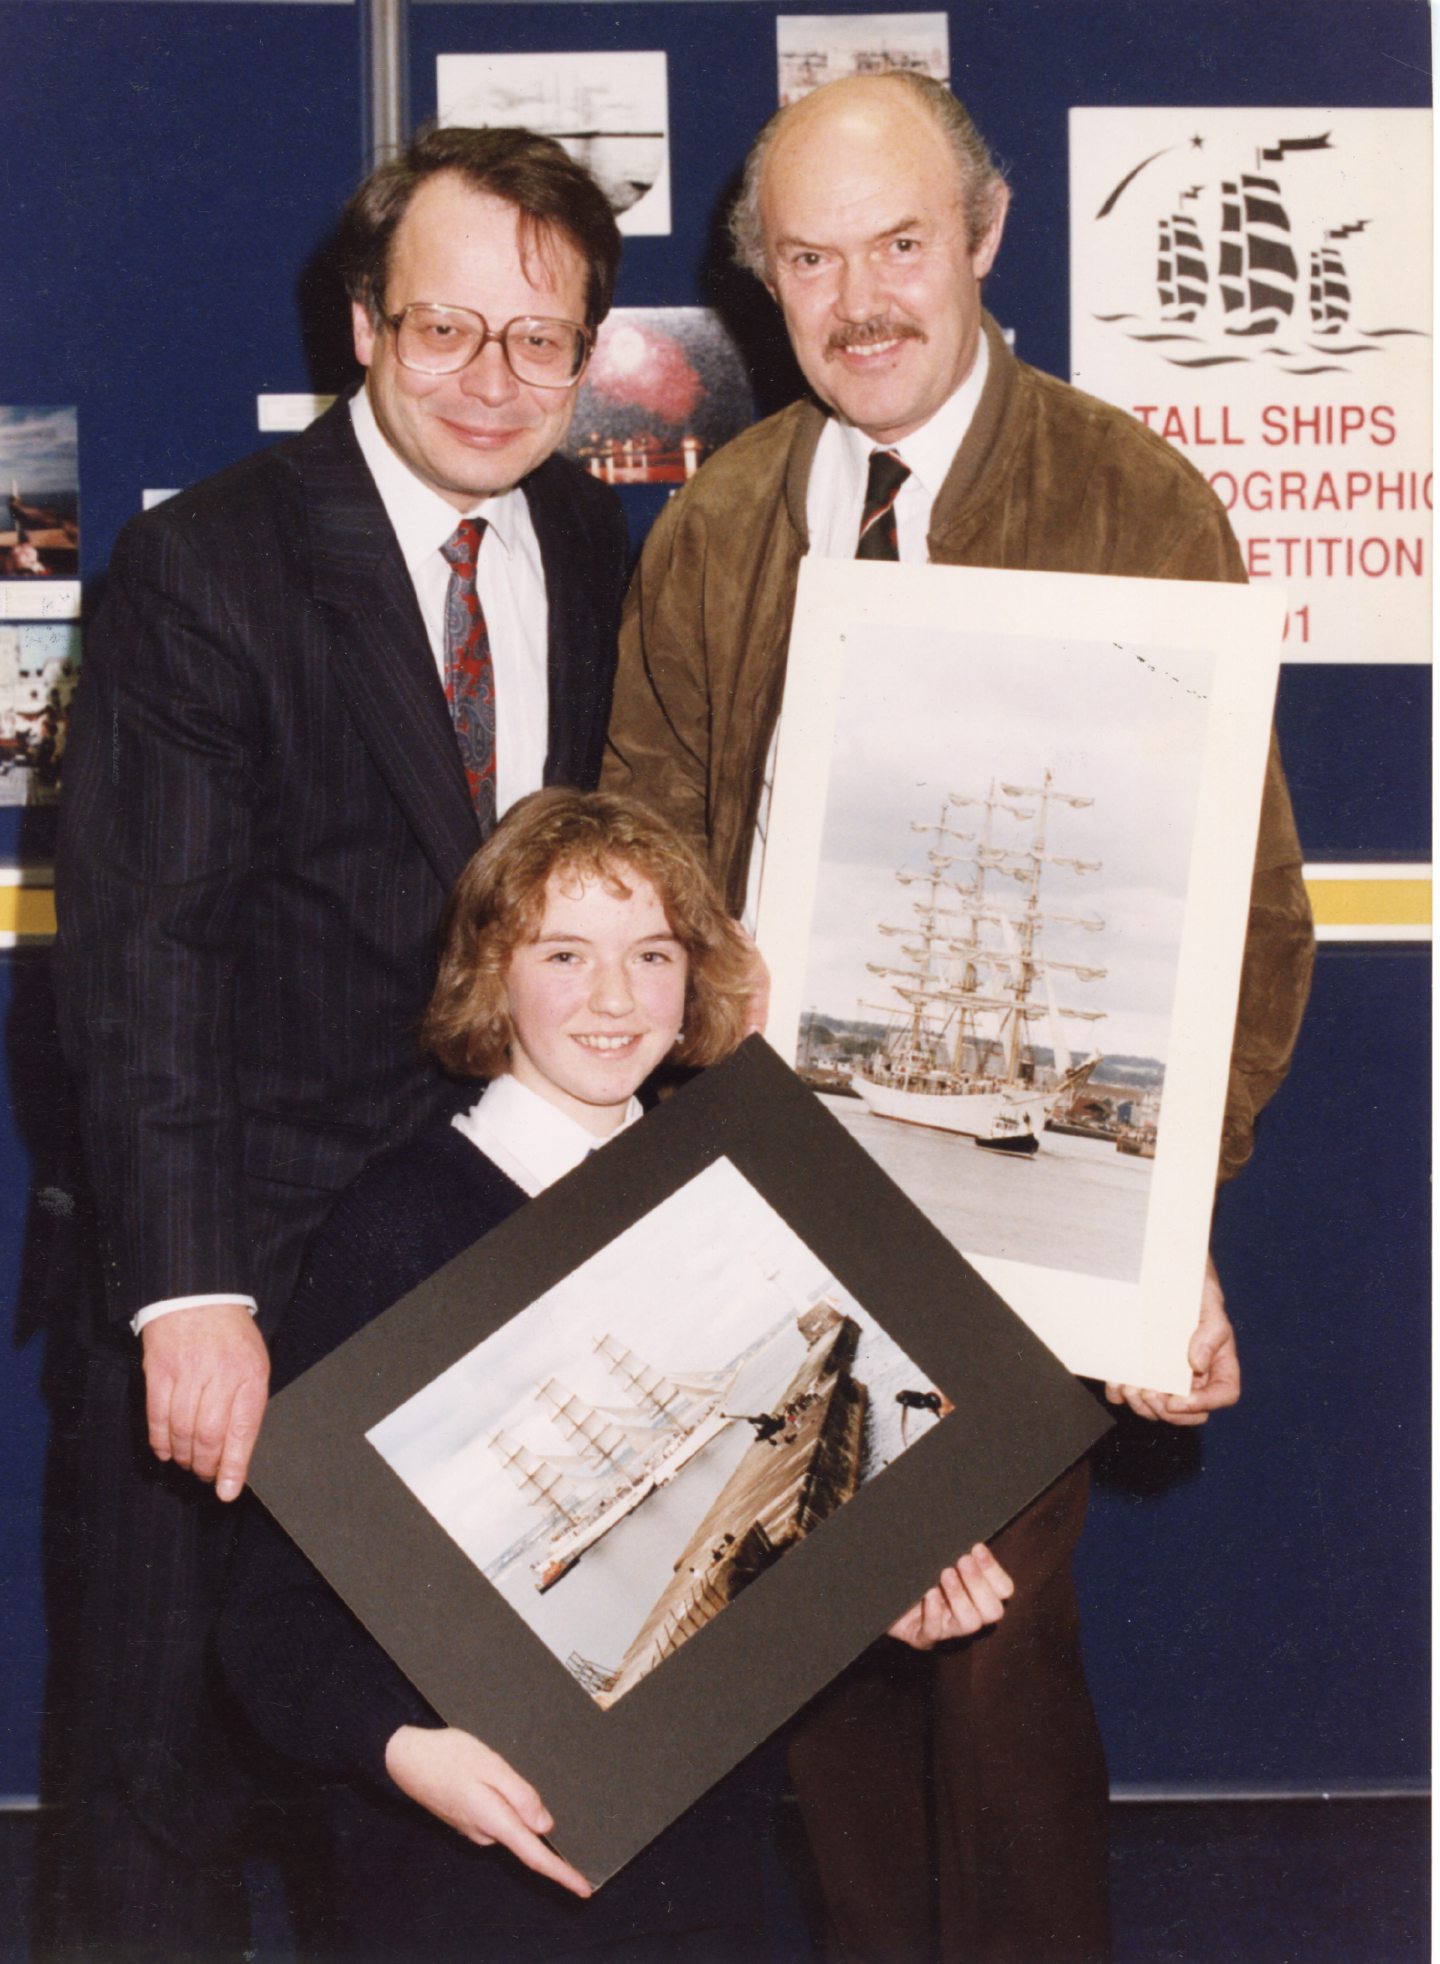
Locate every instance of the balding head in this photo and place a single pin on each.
(874, 239)
(980, 183)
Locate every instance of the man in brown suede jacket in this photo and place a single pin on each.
(952, 1783)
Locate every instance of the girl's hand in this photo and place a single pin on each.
(463, 1783)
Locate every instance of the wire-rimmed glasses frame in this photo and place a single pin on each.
(432, 338)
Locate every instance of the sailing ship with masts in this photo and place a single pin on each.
(620, 1455)
(961, 1057)
(1255, 272)
(1180, 272)
(1329, 289)
(1258, 276)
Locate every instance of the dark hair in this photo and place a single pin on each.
(982, 182)
(499, 901)
(552, 193)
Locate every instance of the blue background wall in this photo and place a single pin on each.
(1256, 1594)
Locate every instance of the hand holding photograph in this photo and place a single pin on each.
(662, 1453)
(1004, 901)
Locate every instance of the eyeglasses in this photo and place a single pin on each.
(435, 340)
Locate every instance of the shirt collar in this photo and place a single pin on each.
(931, 450)
(421, 518)
(528, 1137)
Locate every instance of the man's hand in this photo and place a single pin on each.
(207, 1376)
(968, 1595)
(757, 1007)
(480, 1795)
(1214, 1367)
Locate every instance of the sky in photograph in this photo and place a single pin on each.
(933, 712)
(687, 1288)
(38, 451)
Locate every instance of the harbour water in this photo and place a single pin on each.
(1076, 1204)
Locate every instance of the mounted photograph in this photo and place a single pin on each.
(813, 49)
(610, 111)
(40, 479)
(624, 1484)
(665, 387)
(987, 903)
(624, 1457)
(39, 667)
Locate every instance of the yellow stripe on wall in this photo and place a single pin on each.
(27, 913)
(1384, 903)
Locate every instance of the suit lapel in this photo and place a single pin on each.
(383, 666)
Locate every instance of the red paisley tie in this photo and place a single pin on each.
(469, 671)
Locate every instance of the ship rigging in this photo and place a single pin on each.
(961, 1057)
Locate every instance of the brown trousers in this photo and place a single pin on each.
(956, 1801)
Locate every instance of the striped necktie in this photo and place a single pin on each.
(878, 538)
(469, 671)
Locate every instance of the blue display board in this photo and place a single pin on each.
(175, 170)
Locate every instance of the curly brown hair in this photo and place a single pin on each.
(499, 901)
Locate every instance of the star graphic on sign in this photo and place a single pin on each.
(1197, 143)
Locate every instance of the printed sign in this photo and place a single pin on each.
(1254, 284)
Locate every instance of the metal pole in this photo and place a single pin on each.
(384, 29)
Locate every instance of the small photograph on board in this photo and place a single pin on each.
(610, 110)
(812, 49)
(40, 482)
(39, 667)
(629, 1453)
(666, 386)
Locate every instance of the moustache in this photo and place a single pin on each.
(864, 334)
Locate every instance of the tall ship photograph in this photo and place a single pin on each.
(984, 987)
(976, 986)
(641, 1444)
(976, 1057)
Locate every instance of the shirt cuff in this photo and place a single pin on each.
(152, 1312)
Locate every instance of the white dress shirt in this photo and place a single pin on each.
(527, 1137)
(510, 582)
(835, 495)
(834, 506)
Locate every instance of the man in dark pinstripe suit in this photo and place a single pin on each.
(265, 808)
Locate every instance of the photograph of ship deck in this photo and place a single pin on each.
(40, 515)
(629, 1453)
(992, 959)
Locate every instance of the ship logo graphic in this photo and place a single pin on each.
(1235, 280)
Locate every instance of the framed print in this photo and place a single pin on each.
(813, 49)
(663, 1452)
(666, 386)
(40, 524)
(1004, 900)
(609, 107)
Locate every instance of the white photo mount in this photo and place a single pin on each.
(894, 669)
